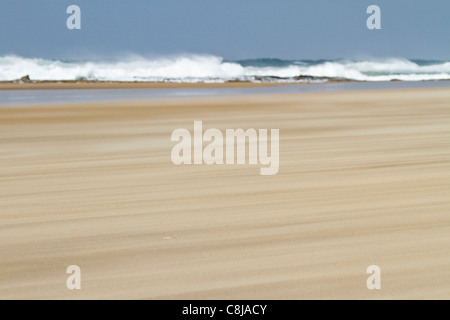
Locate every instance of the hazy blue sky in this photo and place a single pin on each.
(234, 29)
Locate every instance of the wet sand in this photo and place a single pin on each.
(364, 180)
(66, 85)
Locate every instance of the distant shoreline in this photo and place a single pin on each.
(95, 84)
(69, 92)
(75, 84)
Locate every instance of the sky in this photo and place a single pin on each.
(233, 29)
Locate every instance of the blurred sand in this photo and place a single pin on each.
(364, 179)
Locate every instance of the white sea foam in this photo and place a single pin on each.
(207, 68)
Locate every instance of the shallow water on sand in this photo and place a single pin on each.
(63, 96)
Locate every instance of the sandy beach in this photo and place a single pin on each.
(364, 180)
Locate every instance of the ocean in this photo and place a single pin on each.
(214, 69)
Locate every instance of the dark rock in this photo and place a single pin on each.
(25, 79)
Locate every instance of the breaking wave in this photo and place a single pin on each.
(207, 68)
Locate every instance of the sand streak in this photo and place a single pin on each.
(364, 179)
